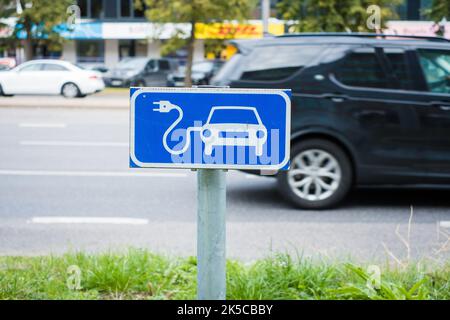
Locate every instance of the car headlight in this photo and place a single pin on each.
(260, 134)
(130, 74)
(207, 134)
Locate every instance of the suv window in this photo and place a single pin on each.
(436, 68)
(230, 71)
(397, 63)
(361, 68)
(278, 62)
(53, 67)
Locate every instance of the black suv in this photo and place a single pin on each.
(366, 109)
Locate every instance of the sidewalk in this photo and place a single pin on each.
(110, 98)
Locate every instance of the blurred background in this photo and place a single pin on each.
(107, 32)
(65, 72)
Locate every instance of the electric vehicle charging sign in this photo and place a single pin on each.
(211, 128)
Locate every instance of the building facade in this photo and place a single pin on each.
(110, 30)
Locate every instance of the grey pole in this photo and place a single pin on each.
(265, 15)
(211, 263)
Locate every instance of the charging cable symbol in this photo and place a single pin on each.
(250, 133)
(166, 107)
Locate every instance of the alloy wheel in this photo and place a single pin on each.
(315, 175)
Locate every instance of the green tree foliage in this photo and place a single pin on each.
(37, 21)
(7, 9)
(439, 10)
(192, 12)
(334, 15)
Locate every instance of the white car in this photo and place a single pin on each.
(50, 77)
(234, 126)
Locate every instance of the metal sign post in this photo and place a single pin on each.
(210, 130)
(211, 230)
(211, 234)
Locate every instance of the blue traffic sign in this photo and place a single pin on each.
(217, 128)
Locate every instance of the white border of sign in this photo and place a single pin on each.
(207, 91)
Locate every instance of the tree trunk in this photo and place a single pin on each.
(28, 43)
(28, 47)
(190, 57)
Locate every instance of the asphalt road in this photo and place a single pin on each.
(111, 98)
(65, 185)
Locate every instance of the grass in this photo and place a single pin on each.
(139, 274)
(114, 90)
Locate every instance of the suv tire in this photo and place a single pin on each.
(320, 175)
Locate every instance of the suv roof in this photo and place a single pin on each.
(364, 35)
(347, 38)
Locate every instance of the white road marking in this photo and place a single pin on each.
(42, 125)
(444, 224)
(91, 173)
(251, 176)
(87, 220)
(73, 143)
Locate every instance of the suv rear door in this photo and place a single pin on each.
(374, 86)
(433, 93)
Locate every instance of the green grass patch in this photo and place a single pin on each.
(139, 274)
(110, 90)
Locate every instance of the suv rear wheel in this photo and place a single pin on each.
(320, 175)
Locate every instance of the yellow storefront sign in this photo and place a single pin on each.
(235, 30)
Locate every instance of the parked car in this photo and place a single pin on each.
(94, 67)
(202, 72)
(140, 72)
(7, 62)
(50, 77)
(366, 109)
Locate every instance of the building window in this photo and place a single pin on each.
(138, 13)
(111, 7)
(425, 5)
(96, 9)
(126, 48)
(401, 11)
(84, 12)
(413, 9)
(125, 8)
(90, 51)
